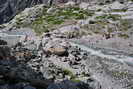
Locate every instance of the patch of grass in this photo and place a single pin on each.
(68, 72)
(119, 10)
(114, 17)
(119, 74)
(74, 12)
(109, 16)
(125, 36)
(49, 20)
(125, 25)
(39, 26)
(73, 77)
(101, 17)
(39, 29)
(76, 80)
(53, 20)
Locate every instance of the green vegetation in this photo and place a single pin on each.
(76, 80)
(109, 16)
(74, 13)
(125, 36)
(120, 10)
(73, 77)
(125, 25)
(119, 74)
(47, 21)
(68, 72)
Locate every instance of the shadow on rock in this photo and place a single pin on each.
(18, 75)
(66, 84)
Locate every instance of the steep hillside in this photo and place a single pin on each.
(9, 8)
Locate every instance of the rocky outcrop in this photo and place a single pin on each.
(9, 8)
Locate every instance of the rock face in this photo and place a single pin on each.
(9, 8)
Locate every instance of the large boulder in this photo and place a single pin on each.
(56, 47)
(57, 51)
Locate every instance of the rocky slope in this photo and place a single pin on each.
(68, 46)
(9, 8)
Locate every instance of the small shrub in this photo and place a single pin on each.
(68, 72)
